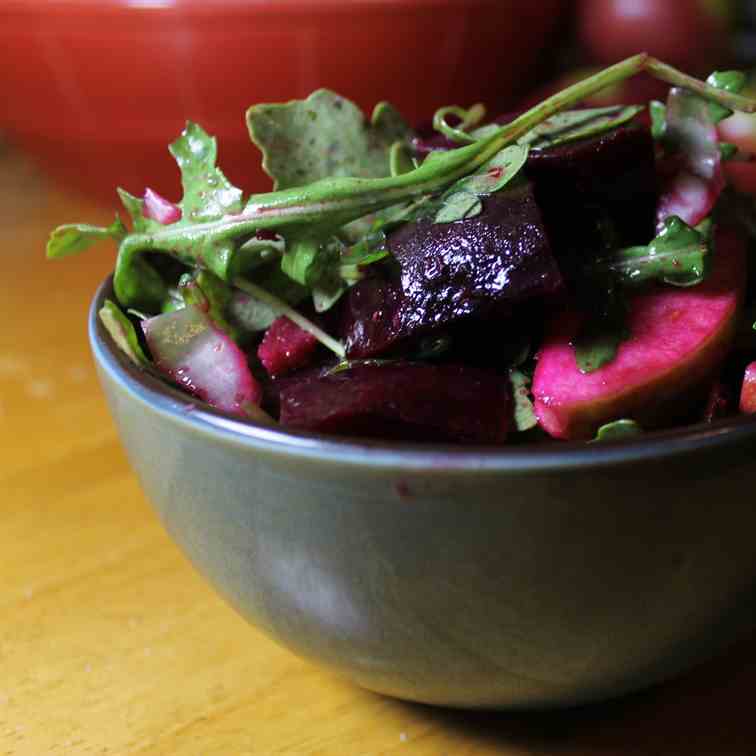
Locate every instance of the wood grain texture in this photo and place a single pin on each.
(111, 644)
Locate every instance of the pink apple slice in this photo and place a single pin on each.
(679, 338)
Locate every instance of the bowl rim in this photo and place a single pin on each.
(172, 403)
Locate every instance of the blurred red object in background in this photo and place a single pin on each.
(96, 89)
(690, 34)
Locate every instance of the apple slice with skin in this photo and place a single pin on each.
(679, 338)
(748, 391)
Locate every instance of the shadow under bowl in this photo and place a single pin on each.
(530, 577)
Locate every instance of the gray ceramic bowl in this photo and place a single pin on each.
(515, 578)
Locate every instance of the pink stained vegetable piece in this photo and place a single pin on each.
(202, 359)
(286, 347)
(748, 391)
(688, 196)
(159, 208)
(679, 338)
(694, 178)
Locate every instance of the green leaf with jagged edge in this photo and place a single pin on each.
(524, 411)
(324, 136)
(572, 125)
(76, 237)
(208, 194)
(122, 331)
(618, 430)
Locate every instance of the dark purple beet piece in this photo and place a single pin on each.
(286, 347)
(451, 271)
(400, 401)
(610, 178)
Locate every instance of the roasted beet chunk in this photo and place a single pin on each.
(401, 401)
(597, 191)
(450, 271)
(286, 347)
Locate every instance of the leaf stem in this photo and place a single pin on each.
(283, 308)
(330, 203)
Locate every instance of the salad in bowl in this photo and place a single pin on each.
(559, 273)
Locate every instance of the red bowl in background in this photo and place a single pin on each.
(96, 89)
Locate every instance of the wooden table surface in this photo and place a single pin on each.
(110, 643)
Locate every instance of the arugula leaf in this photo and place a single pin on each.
(122, 331)
(678, 256)
(370, 249)
(299, 258)
(658, 113)
(462, 200)
(617, 430)
(328, 284)
(459, 206)
(173, 300)
(497, 172)
(329, 269)
(207, 196)
(324, 136)
(256, 252)
(730, 81)
(344, 365)
(602, 332)
(524, 411)
(135, 208)
(76, 237)
(250, 314)
(207, 192)
(572, 125)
